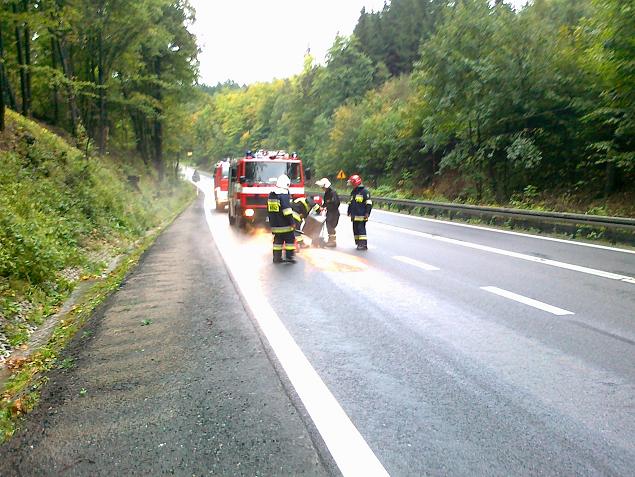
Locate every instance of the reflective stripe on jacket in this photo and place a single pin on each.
(280, 213)
(360, 203)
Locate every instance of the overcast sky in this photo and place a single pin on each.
(257, 40)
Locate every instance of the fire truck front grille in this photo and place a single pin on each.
(256, 201)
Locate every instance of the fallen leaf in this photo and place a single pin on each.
(15, 363)
(17, 407)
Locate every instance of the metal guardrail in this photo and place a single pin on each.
(623, 223)
(536, 216)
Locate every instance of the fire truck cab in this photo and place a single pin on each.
(253, 177)
(221, 184)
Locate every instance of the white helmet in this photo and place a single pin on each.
(324, 182)
(283, 182)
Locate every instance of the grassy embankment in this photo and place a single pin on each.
(63, 218)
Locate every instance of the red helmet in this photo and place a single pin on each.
(355, 180)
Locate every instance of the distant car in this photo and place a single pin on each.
(221, 184)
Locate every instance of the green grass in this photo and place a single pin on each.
(22, 390)
(63, 217)
(621, 204)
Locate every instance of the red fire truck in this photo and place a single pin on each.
(253, 177)
(221, 184)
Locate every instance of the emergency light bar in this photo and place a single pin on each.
(281, 154)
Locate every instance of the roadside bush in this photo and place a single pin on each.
(60, 215)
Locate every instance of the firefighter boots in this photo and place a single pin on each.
(277, 256)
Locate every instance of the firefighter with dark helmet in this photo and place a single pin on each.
(359, 207)
(281, 221)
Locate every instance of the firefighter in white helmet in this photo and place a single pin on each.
(281, 221)
(332, 206)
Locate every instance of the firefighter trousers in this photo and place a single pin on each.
(331, 222)
(283, 241)
(299, 238)
(359, 231)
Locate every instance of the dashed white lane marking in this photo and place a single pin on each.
(508, 253)
(509, 232)
(554, 310)
(350, 451)
(416, 263)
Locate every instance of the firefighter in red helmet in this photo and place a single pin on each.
(359, 207)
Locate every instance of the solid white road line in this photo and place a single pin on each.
(554, 310)
(508, 253)
(347, 446)
(416, 263)
(509, 232)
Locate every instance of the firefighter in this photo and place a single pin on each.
(332, 206)
(359, 207)
(195, 178)
(281, 221)
(302, 207)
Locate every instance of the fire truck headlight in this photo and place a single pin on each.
(249, 212)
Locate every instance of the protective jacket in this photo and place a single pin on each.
(360, 204)
(280, 213)
(331, 202)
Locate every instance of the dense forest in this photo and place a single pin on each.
(465, 100)
(468, 98)
(112, 73)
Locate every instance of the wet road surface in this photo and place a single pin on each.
(442, 350)
(461, 351)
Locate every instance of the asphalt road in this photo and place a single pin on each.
(442, 350)
(432, 345)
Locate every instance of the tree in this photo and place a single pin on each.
(165, 64)
(612, 51)
(23, 51)
(2, 104)
(392, 36)
(349, 73)
(497, 93)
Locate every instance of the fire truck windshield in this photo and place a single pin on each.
(225, 169)
(268, 172)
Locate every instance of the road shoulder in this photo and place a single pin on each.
(169, 376)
